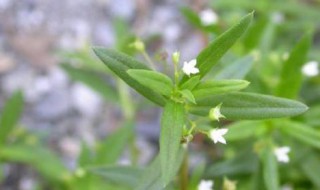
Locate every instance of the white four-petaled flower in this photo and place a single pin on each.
(208, 17)
(217, 135)
(205, 185)
(281, 154)
(190, 67)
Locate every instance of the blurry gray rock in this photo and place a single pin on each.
(122, 8)
(190, 47)
(54, 106)
(27, 183)
(4, 4)
(104, 34)
(85, 100)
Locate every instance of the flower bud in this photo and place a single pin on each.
(138, 45)
(176, 57)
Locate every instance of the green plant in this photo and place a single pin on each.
(189, 94)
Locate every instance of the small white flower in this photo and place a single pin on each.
(208, 17)
(205, 185)
(311, 68)
(282, 154)
(215, 113)
(190, 67)
(217, 135)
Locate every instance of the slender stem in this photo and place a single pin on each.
(176, 75)
(128, 115)
(146, 56)
(184, 179)
(125, 100)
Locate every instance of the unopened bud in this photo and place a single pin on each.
(138, 45)
(176, 57)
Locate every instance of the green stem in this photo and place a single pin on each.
(128, 114)
(125, 100)
(176, 74)
(148, 59)
(184, 178)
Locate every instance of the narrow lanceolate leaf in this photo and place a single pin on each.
(120, 63)
(270, 169)
(47, 163)
(291, 76)
(172, 122)
(212, 54)
(156, 81)
(236, 70)
(302, 132)
(151, 177)
(241, 105)
(120, 175)
(213, 87)
(10, 115)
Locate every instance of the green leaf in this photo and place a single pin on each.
(113, 146)
(244, 163)
(156, 81)
(187, 94)
(120, 175)
(243, 130)
(208, 88)
(120, 63)
(151, 177)
(311, 167)
(302, 132)
(10, 115)
(191, 83)
(242, 105)
(85, 157)
(291, 76)
(92, 80)
(84, 58)
(191, 16)
(212, 54)
(236, 70)
(312, 116)
(47, 163)
(255, 32)
(270, 169)
(257, 178)
(172, 123)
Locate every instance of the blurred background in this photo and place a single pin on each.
(72, 104)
